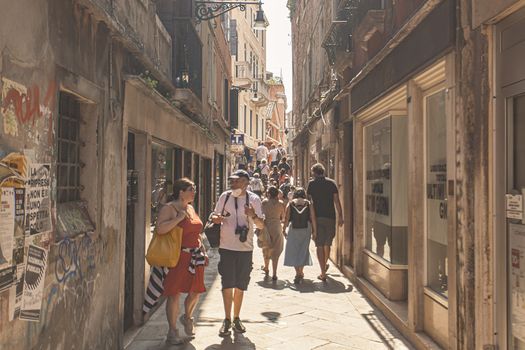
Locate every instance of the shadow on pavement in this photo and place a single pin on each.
(381, 330)
(270, 284)
(237, 342)
(330, 286)
(273, 317)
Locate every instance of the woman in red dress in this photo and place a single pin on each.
(188, 275)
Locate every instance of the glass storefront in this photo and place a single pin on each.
(161, 178)
(386, 188)
(436, 196)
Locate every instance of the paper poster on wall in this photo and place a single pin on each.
(38, 204)
(36, 264)
(16, 292)
(7, 277)
(7, 226)
(517, 278)
(8, 112)
(20, 210)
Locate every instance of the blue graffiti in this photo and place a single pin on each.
(75, 258)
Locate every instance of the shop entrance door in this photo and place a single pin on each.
(515, 220)
(130, 234)
(510, 183)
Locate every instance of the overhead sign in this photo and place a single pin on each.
(237, 139)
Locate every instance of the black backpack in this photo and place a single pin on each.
(299, 217)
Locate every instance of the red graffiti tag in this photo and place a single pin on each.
(27, 106)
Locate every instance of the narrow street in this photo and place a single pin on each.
(281, 315)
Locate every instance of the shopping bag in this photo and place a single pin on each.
(164, 250)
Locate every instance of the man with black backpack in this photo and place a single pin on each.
(238, 211)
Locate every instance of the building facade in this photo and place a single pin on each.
(429, 106)
(104, 104)
(249, 79)
(275, 113)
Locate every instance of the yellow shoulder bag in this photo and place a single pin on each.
(164, 250)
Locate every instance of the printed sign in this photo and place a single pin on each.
(515, 215)
(237, 139)
(517, 276)
(16, 292)
(6, 278)
(514, 202)
(20, 210)
(38, 217)
(7, 226)
(33, 283)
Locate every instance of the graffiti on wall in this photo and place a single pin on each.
(76, 258)
(24, 106)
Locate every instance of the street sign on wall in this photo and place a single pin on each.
(237, 139)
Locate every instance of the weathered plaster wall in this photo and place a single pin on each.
(55, 46)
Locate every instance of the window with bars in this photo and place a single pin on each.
(68, 160)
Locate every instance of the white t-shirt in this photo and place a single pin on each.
(261, 152)
(229, 240)
(265, 170)
(256, 184)
(273, 154)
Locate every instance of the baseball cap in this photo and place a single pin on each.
(239, 173)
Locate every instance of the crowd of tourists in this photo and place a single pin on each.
(263, 207)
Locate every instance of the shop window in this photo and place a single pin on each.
(161, 178)
(187, 164)
(178, 165)
(386, 188)
(436, 200)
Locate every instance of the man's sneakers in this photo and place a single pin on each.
(238, 326)
(225, 329)
(189, 327)
(174, 338)
(227, 325)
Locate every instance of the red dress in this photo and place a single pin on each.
(179, 278)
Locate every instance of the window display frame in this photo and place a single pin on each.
(429, 291)
(389, 263)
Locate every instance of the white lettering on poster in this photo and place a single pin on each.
(38, 219)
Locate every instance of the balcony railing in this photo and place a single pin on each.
(243, 75)
(261, 95)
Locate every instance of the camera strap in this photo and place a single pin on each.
(236, 207)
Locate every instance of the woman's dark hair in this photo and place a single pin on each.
(275, 168)
(181, 185)
(299, 193)
(273, 192)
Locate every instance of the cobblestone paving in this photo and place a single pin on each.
(281, 315)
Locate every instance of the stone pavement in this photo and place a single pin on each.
(281, 315)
